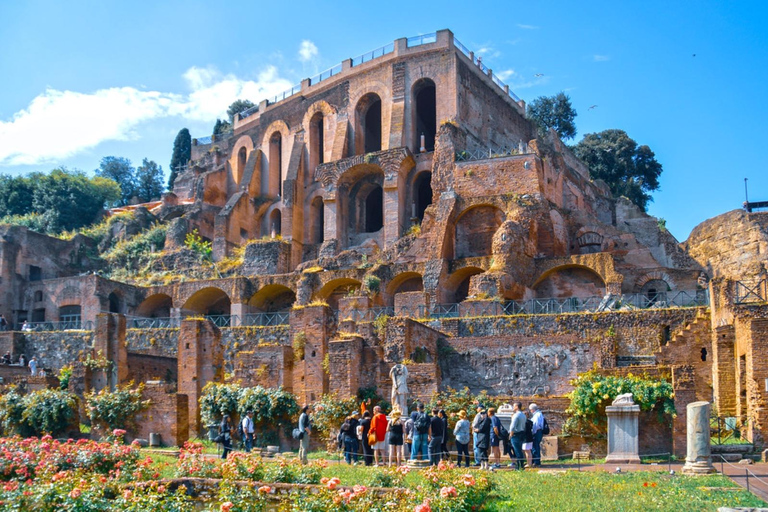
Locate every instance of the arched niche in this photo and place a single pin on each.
(569, 281)
(474, 231)
(158, 305)
(368, 124)
(424, 119)
(209, 301)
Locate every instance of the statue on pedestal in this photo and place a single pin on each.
(399, 397)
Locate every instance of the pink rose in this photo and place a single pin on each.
(75, 493)
(448, 492)
(226, 506)
(424, 507)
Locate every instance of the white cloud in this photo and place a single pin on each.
(60, 124)
(307, 51)
(601, 58)
(505, 74)
(488, 51)
(527, 27)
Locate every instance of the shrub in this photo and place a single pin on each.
(453, 401)
(135, 252)
(372, 283)
(64, 375)
(195, 243)
(115, 409)
(47, 411)
(330, 412)
(218, 399)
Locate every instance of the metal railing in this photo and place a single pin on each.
(248, 112)
(328, 73)
(201, 141)
(478, 61)
(137, 322)
(748, 292)
(422, 39)
(267, 319)
(373, 54)
(69, 325)
(286, 94)
(485, 154)
(463, 49)
(368, 315)
(727, 430)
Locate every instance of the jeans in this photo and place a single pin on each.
(350, 449)
(420, 445)
(226, 446)
(517, 448)
(248, 442)
(435, 449)
(536, 451)
(304, 448)
(462, 448)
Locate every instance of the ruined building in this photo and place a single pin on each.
(400, 207)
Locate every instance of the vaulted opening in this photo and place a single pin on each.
(316, 140)
(368, 124)
(374, 214)
(275, 164)
(316, 221)
(422, 193)
(425, 109)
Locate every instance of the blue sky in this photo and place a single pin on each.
(83, 80)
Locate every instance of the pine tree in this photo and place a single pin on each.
(182, 152)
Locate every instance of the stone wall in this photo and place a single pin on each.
(160, 342)
(56, 349)
(267, 366)
(143, 368)
(236, 340)
(167, 415)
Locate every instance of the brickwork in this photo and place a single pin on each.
(310, 379)
(143, 368)
(268, 366)
(167, 415)
(200, 362)
(160, 342)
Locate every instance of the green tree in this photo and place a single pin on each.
(238, 106)
(69, 199)
(221, 127)
(554, 112)
(182, 152)
(149, 181)
(629, 170)
(16, 194)
(122, 172)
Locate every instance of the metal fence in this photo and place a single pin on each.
(463, 49)
(286, 94)
(422, 39)
(248, 112)
(478, 61)
(267, 319)
(204, 140)
(750, 292)
(728, 430)
(328, 73)
(484, 154)
(70, 325)
(373, 54)
(368, 315)
(137, 322)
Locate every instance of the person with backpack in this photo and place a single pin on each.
(436, 433)
(483, 431)
(246, 431)
(225, 436)
(539, 430)
(379, 431)
(461, 433)
(420, 434)
(495, 437)
(348, 437)
(478, 408)
(365, 427)
(518, 433)
(305, 427)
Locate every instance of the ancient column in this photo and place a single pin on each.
(623, 418)
(699, 458)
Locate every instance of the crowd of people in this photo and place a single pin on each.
(7, 359)
(373, 438)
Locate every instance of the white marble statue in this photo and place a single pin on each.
(399, 397)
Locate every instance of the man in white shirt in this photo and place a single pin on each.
(517, 431)
(537, 418)
(478, 407)
(33, 366)
(247, 424)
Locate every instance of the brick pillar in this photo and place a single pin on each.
(753, 335)
(724, 370)
(238, 312)
(391, 214)
(200, 361)
(309, 377)
(684, 386)
(109, 339)
(345, 357)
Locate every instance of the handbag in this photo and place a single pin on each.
(297, 434)
(372, 437)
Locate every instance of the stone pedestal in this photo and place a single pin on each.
(623, 418)
(699, 452)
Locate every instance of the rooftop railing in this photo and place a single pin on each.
(267, 319)
(422, 39)
(136, 322)
(373, 54)
(286, 94)
(248, 112)
(204, 140)
(324, 75)
(69, 325)
(750, 292)
(485, 154)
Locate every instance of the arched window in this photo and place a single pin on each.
(316, 140)
(316, 221)
(114, 303)
(422, 193)
(368, 124)
(374, 210)
(241, 157)
(275, 219)
(425, 114)
(275, 164)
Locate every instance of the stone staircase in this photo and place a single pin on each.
(692, 337)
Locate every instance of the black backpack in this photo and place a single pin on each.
(545, 427)
(503, 433)
(421, 423)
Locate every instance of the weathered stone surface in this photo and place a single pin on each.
(623, 433)
(698, 461)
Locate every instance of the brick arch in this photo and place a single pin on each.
(237, 166)
(158, 305)
(396, 282)
(208, 300)
(654, 276)
(322, 107)
(273, 297)
(574, 281)
(275, 126)
(456, 283)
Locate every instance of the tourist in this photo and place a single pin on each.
(461, 433)
(495, 437)
(305, 427)
(483, 431)
(436, 433)
(395, 430)
(409, 433)
(6, 358)
(444, 447)
(33, 366)
(26, 327)
(478, 409)
(348, 435)
(528, 444)
(537, 418)
(247, 426)
(379, 429)
(365, 428)
(517, 429)
(421, 434)
(225, 433)
(3, 323)
(22, 361)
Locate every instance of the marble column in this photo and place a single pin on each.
(623, 418)
(699, 456)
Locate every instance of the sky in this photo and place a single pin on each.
(81, 80)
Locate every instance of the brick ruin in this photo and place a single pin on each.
(401, 207)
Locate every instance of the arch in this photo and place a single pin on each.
(275, 222)
(71, 315)
(242, 156)
(38, 297)
(368, 124)
(406, 282)
(655, 290)
(158, 305)
(208, 301)
(275, 164)
(316, 220)
(238, 159)
(474, 231)
(569, 281)
(336, 289)
(422, 194)
(115, 302)
(590, 242)
(316, 140)
(361, 203)
(424, 118)
(273, 297)
(457, 284)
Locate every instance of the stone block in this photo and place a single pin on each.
(269, 257)
(549, 447)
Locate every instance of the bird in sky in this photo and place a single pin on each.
(694, 54)
(537, 75)
(593, 106)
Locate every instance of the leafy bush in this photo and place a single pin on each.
(115, 409)
(218, 399)
(330, 411)
(33, 221)
(47, 411)
(453, 401)
(64, 375)
(136, 251)
(593, 392)
(195, 243)
(372, 283)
